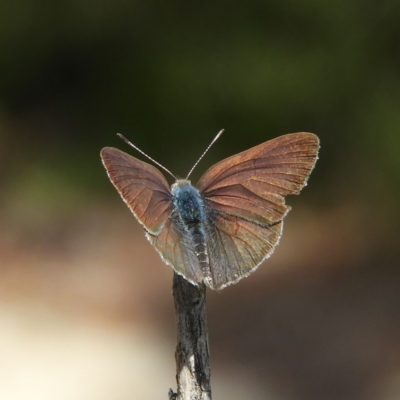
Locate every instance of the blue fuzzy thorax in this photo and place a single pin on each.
(188, 202)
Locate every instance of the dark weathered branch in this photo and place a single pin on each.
(192, 354)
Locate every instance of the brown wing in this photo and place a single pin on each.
(245, 196)
(176, 251)
(142, 186)
(252, 184)
(237, 247)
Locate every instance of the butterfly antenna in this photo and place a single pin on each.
(142, 152)
(208, 148)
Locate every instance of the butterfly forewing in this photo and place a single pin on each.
(284, 163)
(142, 187)
(252, 184)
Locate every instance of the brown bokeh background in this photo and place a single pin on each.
(85, 303)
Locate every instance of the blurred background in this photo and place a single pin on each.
(86, 311)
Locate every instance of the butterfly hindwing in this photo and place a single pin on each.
(237, 247)
(177, 251)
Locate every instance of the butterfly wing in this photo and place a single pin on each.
(146, 192)
(238, 247)
(244, 195)
(142, 186)
(177, 251)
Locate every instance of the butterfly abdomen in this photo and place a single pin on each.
(189, 206)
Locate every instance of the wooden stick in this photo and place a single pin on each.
(192, 354)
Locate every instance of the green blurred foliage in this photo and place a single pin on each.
(170, 75)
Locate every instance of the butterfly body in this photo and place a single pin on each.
(221, 230)
(190, 221)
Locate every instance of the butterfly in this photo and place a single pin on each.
(221, 230)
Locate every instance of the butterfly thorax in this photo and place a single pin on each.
(188, 202)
